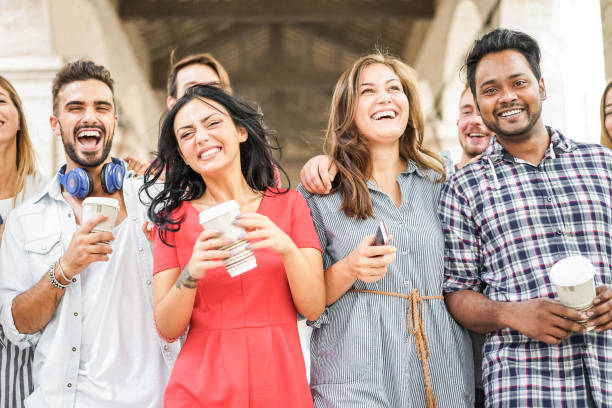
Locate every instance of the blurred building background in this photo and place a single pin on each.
(287, 54)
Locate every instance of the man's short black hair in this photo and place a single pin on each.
(502, 39)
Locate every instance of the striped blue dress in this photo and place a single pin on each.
(362, 350)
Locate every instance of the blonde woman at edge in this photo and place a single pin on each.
(606, 116)
(385, 338)
(19, 180)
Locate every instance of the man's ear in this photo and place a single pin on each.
(170, 101)
(55, 126)
(542, 89)
(243, 135)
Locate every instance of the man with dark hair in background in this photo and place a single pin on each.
(534, 197)
(86, 306)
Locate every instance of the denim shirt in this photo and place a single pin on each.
(36, 235)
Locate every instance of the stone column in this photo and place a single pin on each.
(606, 23)
(29, 63)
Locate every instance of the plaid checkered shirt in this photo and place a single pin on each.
(506, 222)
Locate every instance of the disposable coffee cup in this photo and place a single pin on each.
(573, 280)
(219, 218)
(94, 206)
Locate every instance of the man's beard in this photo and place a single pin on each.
(532, 119)
(84, 162)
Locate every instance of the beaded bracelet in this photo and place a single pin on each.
(54, 281)
(62, 271)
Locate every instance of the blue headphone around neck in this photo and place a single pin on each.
(78, 182)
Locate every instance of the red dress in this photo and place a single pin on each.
(242, 349)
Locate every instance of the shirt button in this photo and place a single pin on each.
(76, 314)
(74, 349)
(74, 279)
(69, 215)
(166, 347)
(559, 232)
(69, 385)
(134, 218)
(148, 282)
(140, 249)
(549, 199)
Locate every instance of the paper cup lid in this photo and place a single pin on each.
(572, 271)
(111, 202)
(217, 210)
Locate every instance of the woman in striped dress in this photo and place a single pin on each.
(385, 338)
(18, 181)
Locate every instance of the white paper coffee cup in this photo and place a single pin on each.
(219, 218)
(573, 280)
(94, 206)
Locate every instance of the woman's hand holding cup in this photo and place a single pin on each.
(206, 253)
(269, 235)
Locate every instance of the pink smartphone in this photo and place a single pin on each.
(382, 234)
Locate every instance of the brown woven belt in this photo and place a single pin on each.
(416, 327)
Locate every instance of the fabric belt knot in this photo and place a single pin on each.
(416, 327)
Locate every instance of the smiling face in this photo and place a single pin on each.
(382, 106)
(509, 95)
(86, 122)
(208, 140)
(9, 118)
(474, 136)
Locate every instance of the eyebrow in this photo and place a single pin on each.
(493, 80)
(81, 103)
(386, 82)
(190, 126)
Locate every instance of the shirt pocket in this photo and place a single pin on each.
(42, 251)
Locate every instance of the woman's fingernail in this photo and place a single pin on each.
(392, 249)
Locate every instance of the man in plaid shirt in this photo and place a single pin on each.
(533, 198)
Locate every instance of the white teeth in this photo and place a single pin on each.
(476, 135)
(511, 112)
(384, 114)
(209, 153)
(89, 133)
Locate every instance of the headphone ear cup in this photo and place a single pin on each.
(78, 183)
(111, 176)
(103, 178)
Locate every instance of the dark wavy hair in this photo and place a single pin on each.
(182, 183)
(498, 40)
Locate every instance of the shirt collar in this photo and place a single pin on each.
(559, 144)
(411, 167)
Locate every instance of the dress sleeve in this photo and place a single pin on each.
(303, 232)
(461, 242)
(164, 255)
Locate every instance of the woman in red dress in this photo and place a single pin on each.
(242, 348)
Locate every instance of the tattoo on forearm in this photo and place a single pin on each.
(186, 280)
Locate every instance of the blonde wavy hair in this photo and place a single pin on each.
(25, 159)
(606, 138)
(348, 148)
